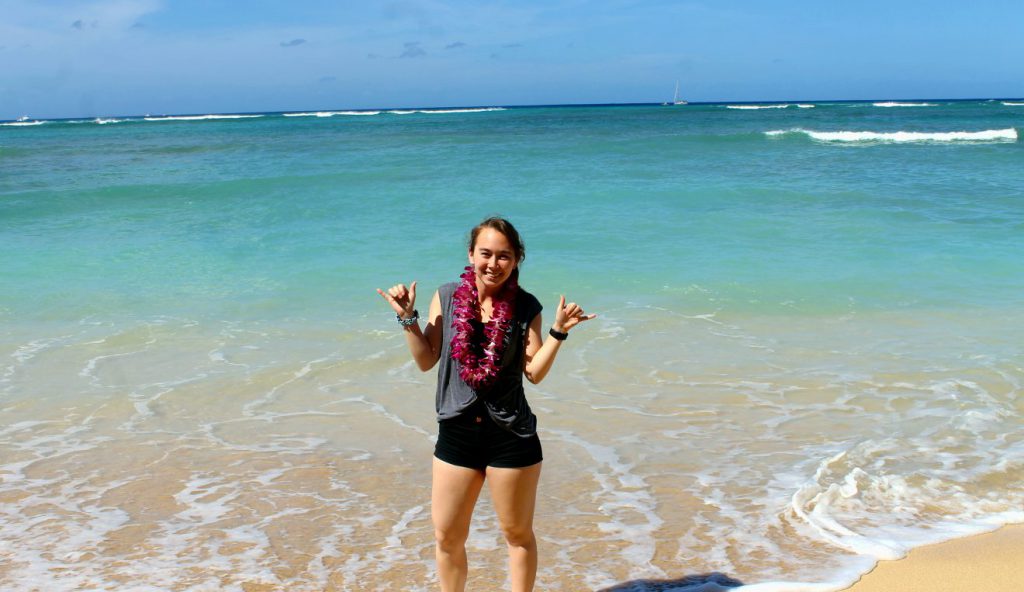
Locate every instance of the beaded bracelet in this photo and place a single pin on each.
(409, 321)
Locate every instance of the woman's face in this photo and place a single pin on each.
(492, 258)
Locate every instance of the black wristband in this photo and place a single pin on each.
(557, 334)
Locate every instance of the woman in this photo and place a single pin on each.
(486, 332)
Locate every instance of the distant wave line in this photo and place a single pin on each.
(393, 112)
(159, 118)
(899, 104)
(1013, 104)
(751, 107)
(780, 106)
(434, 111)
(466, 110)
(1000, 135)
(200, 117)
(330, 113)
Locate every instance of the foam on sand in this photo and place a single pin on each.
(987, 561)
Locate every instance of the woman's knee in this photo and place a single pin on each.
(450, 539)
(519, 535)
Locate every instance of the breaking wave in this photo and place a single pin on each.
(999, 135)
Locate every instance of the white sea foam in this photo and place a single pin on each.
(899, 104)
(471, 110)
(392, 111)
(693, 470)
(852, 489)
(626, 503)
(316, 114)
(200, 117)
(383, 412)
(754, 107)
(330, 113)
(805, 106)
(1013, 104)
(23, 123)
(102, 121)
(28, 351)
(271, 395)
(786, 587)
(1000, 135)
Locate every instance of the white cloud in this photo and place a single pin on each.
(28, 17)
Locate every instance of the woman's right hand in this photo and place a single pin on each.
(401, 299)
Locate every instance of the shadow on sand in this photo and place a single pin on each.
(712, 582)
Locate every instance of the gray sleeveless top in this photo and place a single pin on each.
(505, 400)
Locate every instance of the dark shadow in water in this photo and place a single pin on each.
(712, 582)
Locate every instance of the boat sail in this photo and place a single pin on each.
(675, 97)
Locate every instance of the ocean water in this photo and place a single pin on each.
(807, 355)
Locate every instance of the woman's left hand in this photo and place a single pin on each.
(568, 316)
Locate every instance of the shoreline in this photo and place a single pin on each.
(985, 561)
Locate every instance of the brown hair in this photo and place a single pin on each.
(505, 227)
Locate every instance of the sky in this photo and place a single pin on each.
(132, 57)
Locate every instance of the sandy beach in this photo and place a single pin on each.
(987, 562)
(806, 355)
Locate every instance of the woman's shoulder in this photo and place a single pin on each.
(445, 291)
(528, 304)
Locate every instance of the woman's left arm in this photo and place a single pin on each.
(541, 351)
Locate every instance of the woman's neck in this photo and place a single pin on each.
(485, 294)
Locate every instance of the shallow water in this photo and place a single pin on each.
(806, 357)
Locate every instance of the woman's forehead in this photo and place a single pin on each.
(492, 240)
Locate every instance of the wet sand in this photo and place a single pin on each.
(989, 562)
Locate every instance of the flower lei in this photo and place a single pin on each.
(479, 366)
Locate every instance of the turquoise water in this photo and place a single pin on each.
(807, 356)
(286, 216)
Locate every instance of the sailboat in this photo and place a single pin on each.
(675, 97)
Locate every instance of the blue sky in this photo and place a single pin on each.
(124, 57)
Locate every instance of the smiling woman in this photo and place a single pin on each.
(486, 333)
(807, 349)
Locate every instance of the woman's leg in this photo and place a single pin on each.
(452, 497)
(514, 492)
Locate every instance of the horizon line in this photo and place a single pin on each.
(525, 106)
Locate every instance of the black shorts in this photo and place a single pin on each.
(473, 440)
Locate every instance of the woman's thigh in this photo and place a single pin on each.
(453, 494)
(514, 493)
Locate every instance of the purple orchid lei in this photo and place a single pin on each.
(480, 371)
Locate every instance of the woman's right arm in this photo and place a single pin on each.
(425, 344)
